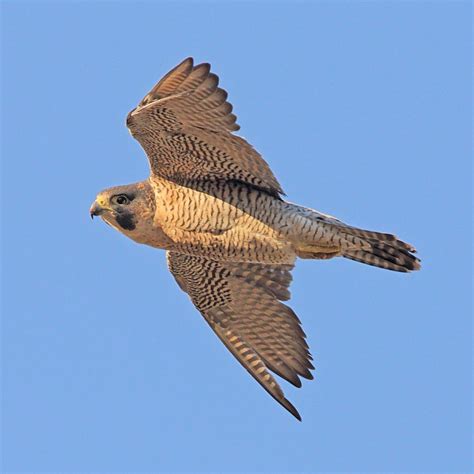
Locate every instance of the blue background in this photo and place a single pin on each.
(363, 112)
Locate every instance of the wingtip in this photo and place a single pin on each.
(205, 66)
(186, 65)
(290, 407)
(189, 60)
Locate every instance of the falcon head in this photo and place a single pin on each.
(124, 207)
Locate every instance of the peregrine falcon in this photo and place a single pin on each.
(231, 240)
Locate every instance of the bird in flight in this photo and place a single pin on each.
(231, 240)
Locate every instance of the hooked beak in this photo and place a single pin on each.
(95, 210)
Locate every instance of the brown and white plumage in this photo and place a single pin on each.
(242, 304)
(213, 203)
(185, 125)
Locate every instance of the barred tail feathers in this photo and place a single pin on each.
(385, 256)
(364, 246)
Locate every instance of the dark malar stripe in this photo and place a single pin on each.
(126, 221)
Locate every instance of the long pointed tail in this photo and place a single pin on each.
(328, 237)
(383, 250)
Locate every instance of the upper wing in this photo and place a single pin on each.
(185, 125)
(240, 301)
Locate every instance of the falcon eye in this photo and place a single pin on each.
(121, 199)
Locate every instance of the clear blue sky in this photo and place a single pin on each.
(363, 112)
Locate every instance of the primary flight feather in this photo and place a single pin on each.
(214, 205)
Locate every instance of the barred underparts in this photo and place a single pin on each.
(214, 205)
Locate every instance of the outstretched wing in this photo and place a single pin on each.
(242, 304)
(185, 125)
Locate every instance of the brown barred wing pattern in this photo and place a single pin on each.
(242, 304)
(185, 126)
(214, 205)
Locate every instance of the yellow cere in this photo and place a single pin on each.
(101, 201)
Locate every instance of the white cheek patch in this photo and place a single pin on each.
(112, 225)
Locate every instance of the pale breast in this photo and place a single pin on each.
(224, 220)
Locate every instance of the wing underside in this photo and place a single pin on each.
(242, 304)
(185, 126)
